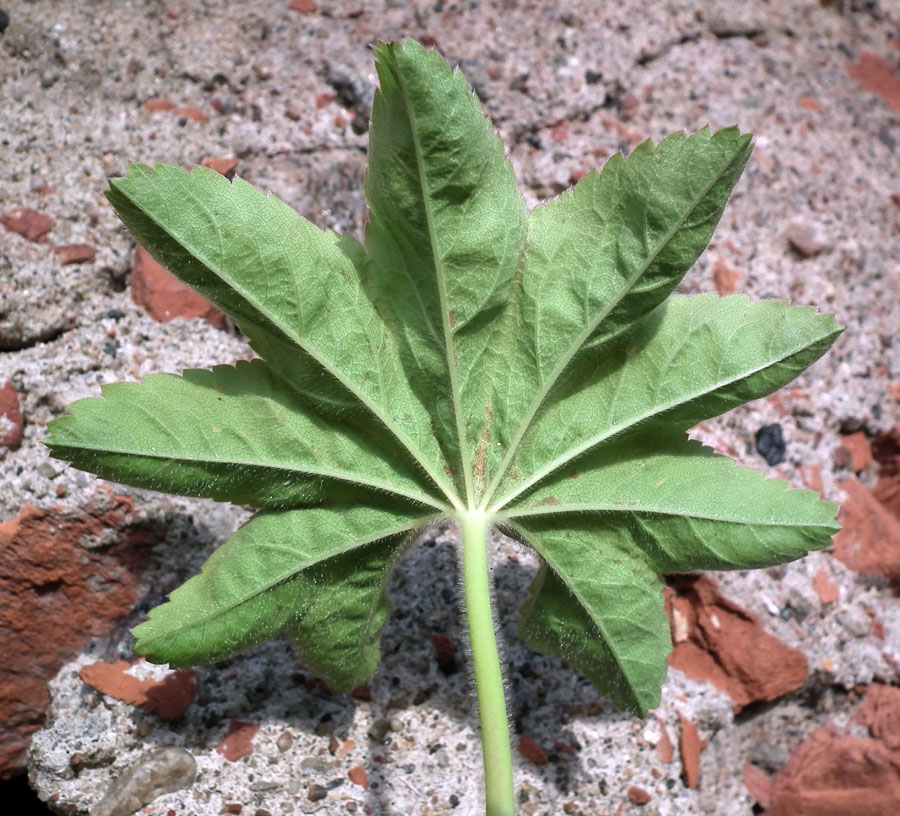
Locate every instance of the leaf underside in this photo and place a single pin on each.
(470, 355)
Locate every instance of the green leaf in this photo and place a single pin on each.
(599, 606)
(446, 233)
(473, 363)
(629, 514)
(599, 258)
(319, 573)
(683, 507)
(233, 434)
(689, 360)
(274, 272)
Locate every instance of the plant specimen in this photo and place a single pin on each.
(472, 361)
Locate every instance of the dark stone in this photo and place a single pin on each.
(4, 21)
(770, 444)
(316, 793)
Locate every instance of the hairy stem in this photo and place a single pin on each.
(498, 779)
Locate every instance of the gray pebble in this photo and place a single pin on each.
(162, 770)
(378, 730)
(47, 470)
(855, 621)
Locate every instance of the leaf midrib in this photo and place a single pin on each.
(641, 510)
(224, 609)
(442, 293)
(591, 442)
(388, 487)
(588, 331)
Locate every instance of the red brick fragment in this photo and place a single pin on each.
(880, 713)
(869, 541)
(757, 784)
(345, 748)
(717, 641)
(53, 569)
(855, 452)
(74, 253)
(810, 103)
(167, 698)
(529, 748)
(159, 105)
(11, 421)
(194, 115)
(225, 167)
(812, 477)
(886, 450)
(725, 277)
(238, 742)
(303, 6)
(689, 748)
(664, 747)
(827, 590)
(28, 223)
(164, 296)
(638, 795)
(830, 774)
(358, 776)
(876, 74)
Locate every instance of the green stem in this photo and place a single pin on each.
(498, 778)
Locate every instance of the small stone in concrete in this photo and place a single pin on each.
(162, 770)
(316, 793)
(638, 795)
(805, 239)
(378, 730)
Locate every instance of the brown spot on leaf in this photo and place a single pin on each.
(480, 465)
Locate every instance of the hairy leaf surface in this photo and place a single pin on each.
(233, 434)
(318, 572)
(471, 361)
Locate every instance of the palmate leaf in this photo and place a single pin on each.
(472, 362)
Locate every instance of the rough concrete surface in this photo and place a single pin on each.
(285, 88)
